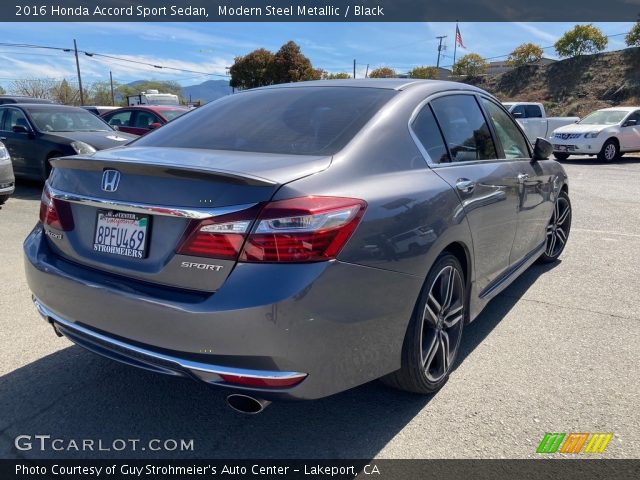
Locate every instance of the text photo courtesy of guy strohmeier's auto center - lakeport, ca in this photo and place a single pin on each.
(320, 239)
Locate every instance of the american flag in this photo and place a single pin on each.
(459, 38)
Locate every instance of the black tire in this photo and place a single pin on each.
(558, 229)
(425, 370)
(610, 151)
(561, 156)
(3, 199)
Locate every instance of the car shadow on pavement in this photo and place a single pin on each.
(74, 394)
(594, 161)
(28, 190)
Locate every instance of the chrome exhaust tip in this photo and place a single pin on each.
(246, 404)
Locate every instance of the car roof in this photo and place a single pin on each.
(381, 83)
(53, 106)
(27, 98)
(619, 109)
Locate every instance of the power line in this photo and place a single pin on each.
(113, 57)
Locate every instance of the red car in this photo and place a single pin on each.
(142, 119)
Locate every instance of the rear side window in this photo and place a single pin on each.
(426, 129)
(464, 127)
(533, 111)
(303, 121)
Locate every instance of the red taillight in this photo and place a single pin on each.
(221, 237)
(306, 229)
(263, 382)
(54, 212)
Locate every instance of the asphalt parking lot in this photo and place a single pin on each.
(558, 351)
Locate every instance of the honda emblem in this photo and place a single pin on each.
(110, 180)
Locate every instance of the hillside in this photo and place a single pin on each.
(575, 86)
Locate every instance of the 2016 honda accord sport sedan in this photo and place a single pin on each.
(298, 240)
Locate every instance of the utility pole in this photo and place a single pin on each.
(440, 38)
(113, 97)
(354, 68)
(366, 74)
(75, 48)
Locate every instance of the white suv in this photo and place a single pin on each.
(607, 133)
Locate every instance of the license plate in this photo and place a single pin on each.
(561, 148)
(121, 233)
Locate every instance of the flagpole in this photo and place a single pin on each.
(455, 46)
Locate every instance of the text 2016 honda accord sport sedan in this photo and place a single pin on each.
(298, 240)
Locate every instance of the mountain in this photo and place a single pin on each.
(207, 91)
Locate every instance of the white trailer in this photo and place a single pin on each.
(153, 97)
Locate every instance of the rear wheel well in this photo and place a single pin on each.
(459, 251)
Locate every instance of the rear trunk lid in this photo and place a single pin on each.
(163, 193)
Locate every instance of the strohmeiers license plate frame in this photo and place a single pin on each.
(120, 220)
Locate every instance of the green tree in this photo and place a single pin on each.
(383, 72)
(65, 94)
(335, 76)
(424, 72)
(252, 70)
(100, 93)
(2, 91)
(471, 65)
(290, 65)
(525, 54)
(633, 37)
(581, 40)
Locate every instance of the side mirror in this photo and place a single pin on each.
(630, 123)
(20, 129)
(542, 149)
(155, 125)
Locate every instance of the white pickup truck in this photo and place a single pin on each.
(534, 120)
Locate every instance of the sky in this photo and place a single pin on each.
(211, 47)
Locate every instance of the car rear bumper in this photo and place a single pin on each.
(7, 179)
(340, 324)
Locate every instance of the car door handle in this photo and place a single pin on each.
(523, 177)
(3, 139)
(465, 185)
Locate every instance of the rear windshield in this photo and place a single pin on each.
(302, 121)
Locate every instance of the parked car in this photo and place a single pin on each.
(99, 109)
(234, 245)
(5, 99)
(607, 133)
(7, 180)
(141, 120)
(35, 133)
(534, 121)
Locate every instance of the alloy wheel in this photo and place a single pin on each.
(442, 322)
(557, 230)
(610, 152)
